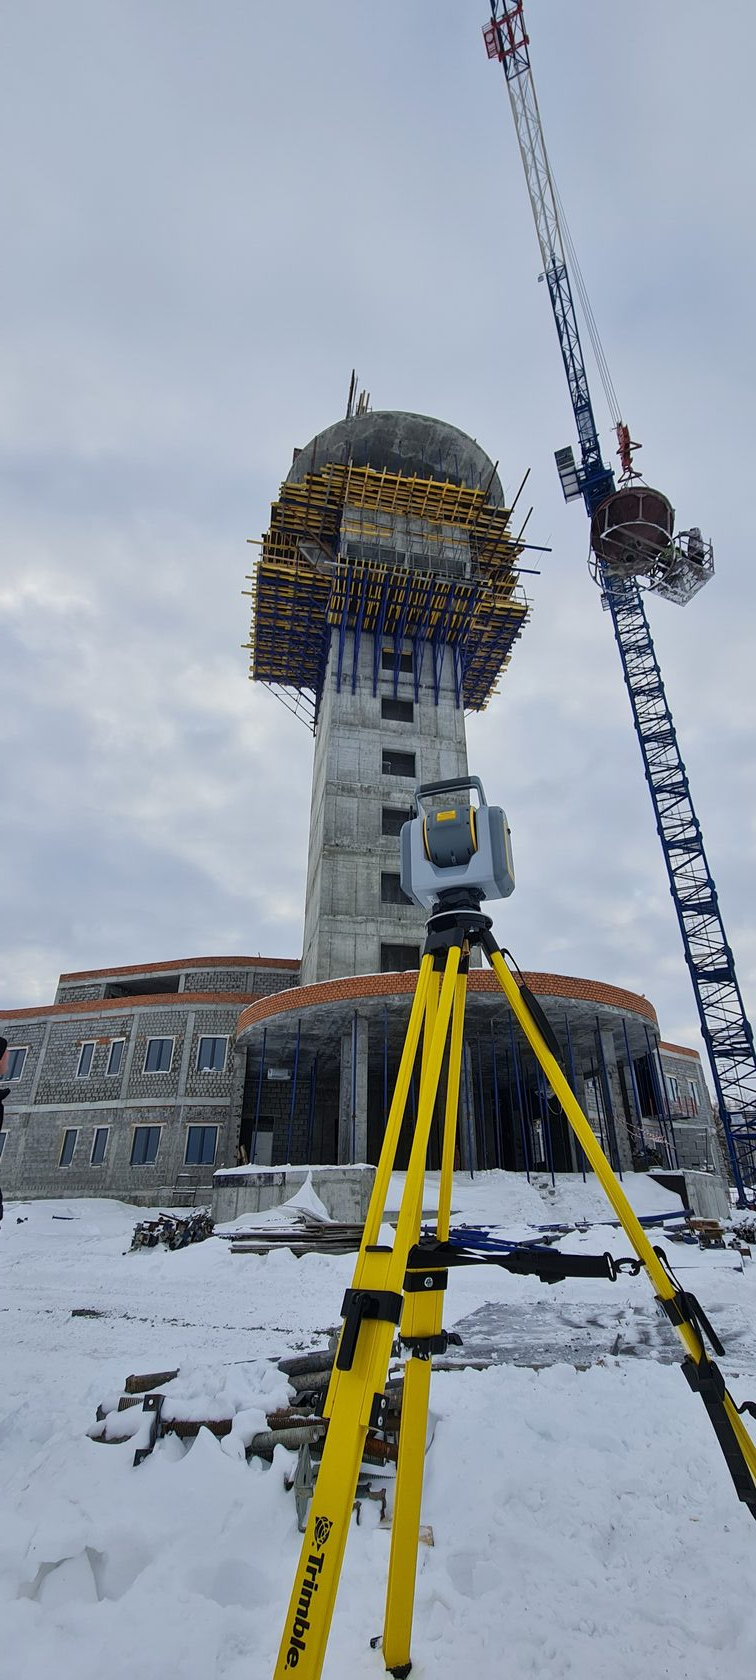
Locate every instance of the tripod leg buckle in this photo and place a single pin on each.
(359, 1304)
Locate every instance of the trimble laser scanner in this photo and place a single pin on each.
(458, 847)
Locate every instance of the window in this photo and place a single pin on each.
(388, 660)
(159, 1055)
(16, 1058)
(393, 818)
(69, 1145)
(398, 763)
(115, 1059)
(145, 1144)
(2, 1142)
(693, 1095)
(397, 711)
(391, 892)
(86, 1055)
(396, 958)
(200, 1146)
(673, 1087)
(211, 1056)
(99, 1146)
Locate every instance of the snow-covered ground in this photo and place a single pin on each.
(583, 1518)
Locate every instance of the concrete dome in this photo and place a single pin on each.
(408, 443)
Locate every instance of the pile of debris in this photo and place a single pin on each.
(173, 1231)
(299, 1427)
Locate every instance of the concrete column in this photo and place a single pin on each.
(353, 1092)
(618, 1107)
(186, 1051)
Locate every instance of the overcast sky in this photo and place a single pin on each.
(212, 212)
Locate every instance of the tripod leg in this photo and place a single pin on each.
(372, 1309)
(615, 1194)
(421, 1321)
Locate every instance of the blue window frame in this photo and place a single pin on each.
(211, 1055)
(16, 1057)
(145, 1145)
(115, 1058)
(201, 1144)
(159, 1055)
(99, 1146)
(69, 1145)
(86, 1057)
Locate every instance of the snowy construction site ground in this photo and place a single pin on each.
(583, 1518)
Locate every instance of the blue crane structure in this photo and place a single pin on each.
(632, 545)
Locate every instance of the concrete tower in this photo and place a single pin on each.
(387, 596)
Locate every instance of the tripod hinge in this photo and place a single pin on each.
(357, 1305)
(684, 1308)
(424, 1347)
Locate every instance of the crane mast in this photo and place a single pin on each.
(633, 542)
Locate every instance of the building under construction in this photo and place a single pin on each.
(386, 603)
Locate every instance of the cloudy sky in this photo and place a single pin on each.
(212, 212)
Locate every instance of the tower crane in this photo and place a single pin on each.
(633, 547)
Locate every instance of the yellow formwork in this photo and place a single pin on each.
(302, 585)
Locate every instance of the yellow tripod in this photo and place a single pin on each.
(403, 1284)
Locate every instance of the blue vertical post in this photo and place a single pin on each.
(543, 1104)
(610, 1123)
(259, 1094)
(573, 1083)
(311, 1106)
(497, 1106)
(600, 1106)
(482, 1122)
(634, 1084)
(523, 1133)
(470, 1142)
(293, 1090)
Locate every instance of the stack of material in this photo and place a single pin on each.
(174, 1232)
(304, 1233)
(290, 1426)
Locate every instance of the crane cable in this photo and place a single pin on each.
(585, 304)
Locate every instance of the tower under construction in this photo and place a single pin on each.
(387, 600)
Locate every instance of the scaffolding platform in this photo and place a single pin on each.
(330, 561)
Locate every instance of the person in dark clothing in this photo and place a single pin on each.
(3, 1094)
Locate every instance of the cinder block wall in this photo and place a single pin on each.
(49, 1099)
